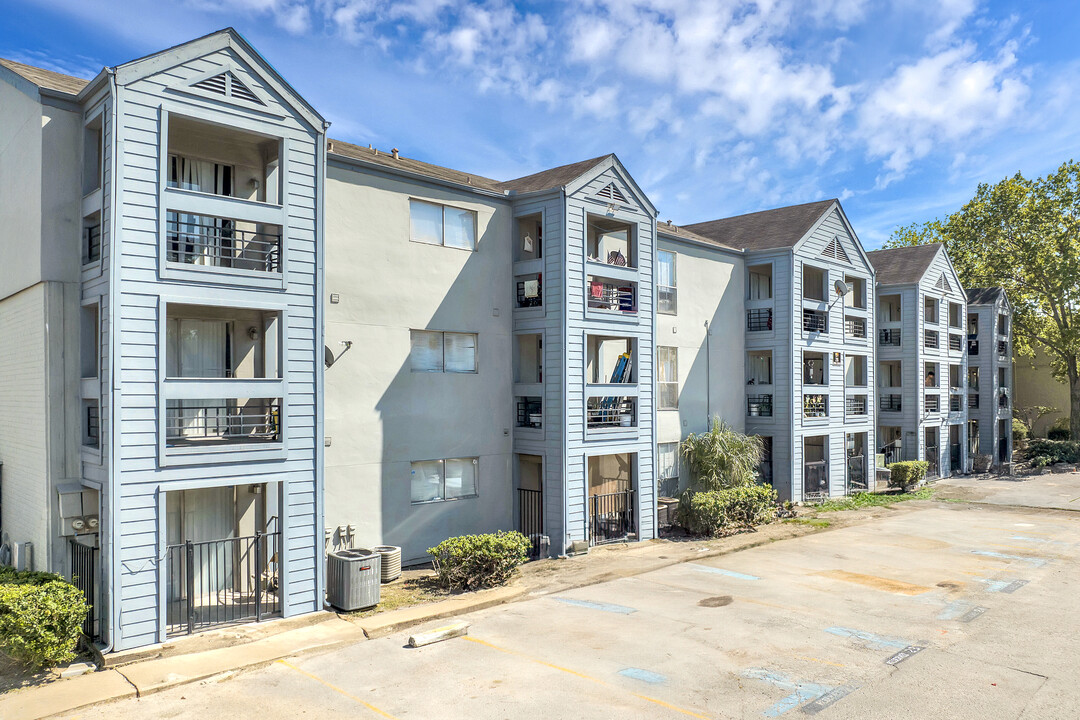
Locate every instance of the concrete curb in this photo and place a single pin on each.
(395, 620)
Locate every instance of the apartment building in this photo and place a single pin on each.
(160, 427)
(492, 347)
(809, 357)
(922, 410)
(989, 374)
(700, 290)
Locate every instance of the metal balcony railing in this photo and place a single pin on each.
(610, 296)
(1003, 400)
(530, 292)
(956, 403)
(92, 243)
(1003, 348)
(610, 412)
(973, 401)
(530, 412)
(930, 339)
(933, 403)
(889, 403)
(189, 422)
(93, 426)
(814, 321)
(856, 405)
(956, 342)
(855, 327)
(815, 406)
(219, 242)
(759, 319)
(889, 336)
(973, 346)
(759, 405)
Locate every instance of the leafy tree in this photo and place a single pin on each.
(722, 458)
(1023, 235)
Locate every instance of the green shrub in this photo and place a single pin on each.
(1019, 431)
(722, 457)
(470, 562)
(721, 512)
(1056, 433)
(40, 619)
(1047, 452)
(907, 474)
(11, 576)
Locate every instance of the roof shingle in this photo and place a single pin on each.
(903, 265)
(765, 230)
(984, 296)
(46, 79)
(550, 179)
(667, 228)
(437, 172)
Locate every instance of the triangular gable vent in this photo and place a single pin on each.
(228, 85)
(612, 193)
(943, 284)
(836, 251)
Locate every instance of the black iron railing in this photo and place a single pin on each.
(759, 319)
(855, 405)
(530, 412)
(856, 474)
(609, 296)
(84, 563)
(93, 425)
(855, 327)
(92, 243)
(611, 412)
(815, 480)
(956, 342)
(759, 405)
(930, 339)
(815, 406)
(529, 295)
(218, 582)
(956, 403)
(531, 517)
(814, 321)
(611, 516)
(891, 453)
(1003, 400)
(933, 403)
(889, 403)
(1003, 348)
(973, 346)
(255, 420)
(219, 242)
(889, 336)
(973, 400)
(933, 460)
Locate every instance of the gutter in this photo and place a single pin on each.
(111, 528)
(347, 160)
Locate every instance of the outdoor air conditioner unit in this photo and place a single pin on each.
(19, 555)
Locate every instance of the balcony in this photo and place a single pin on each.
(815, 321)
(973, 345)
(225, 421)
(815, 406)
(889, 403)
(530, 291)
(933, 403)
(956, 403)
(530, 412)
(759, 320)
(222, 242)
(1002, 349)
(611, 413)
(973, 401)
(91, 243)
(613, 296)
(855, 405)
(956, 342)
(1003, 399)
(759, 405)
(889, 336)
(855, 327)
(931, 339)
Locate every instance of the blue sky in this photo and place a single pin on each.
(717, 108)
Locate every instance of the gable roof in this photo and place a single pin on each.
(387, 160)
(681, 233)
(779, 228)
(985, 296)
(903, 265)
(556, 177)
(46, 79)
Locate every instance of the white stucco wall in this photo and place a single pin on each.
(20, 190)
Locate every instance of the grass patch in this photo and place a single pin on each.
(865, 500)
(812, 522)
(405, 592)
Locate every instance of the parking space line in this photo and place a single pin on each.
(605, 607)
(877, 583)
(583, 676)
(721, 571)
(335, 688)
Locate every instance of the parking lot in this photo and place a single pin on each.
(927, 609)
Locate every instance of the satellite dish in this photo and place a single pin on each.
(842, 288)
(328, 356)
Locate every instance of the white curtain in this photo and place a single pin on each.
(460, 476)
(197, 349)
(460, 352)
(426, 484)
(198, 234)
(761, 369)
(666, 269)
(760, 286)
(459, 227)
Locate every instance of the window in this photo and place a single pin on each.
(93, 167)
(973, 324)
(667, 461)
(666, 292)
(813, 283)
(442, 225)
(1003, 325)
(609, 359)
(856, 298)
(437, 480)
(91, 424)
(610, 241)
(815, 370)
(956, 314)
(855, 372)
(530, 239)
(759, 282)
(759, 368)
(930, 307)
(89, 342)
(667, 361)
(889, 308)
(443, 351)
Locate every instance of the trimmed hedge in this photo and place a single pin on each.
(1047, 452)
(722, 512)
(41, 617)
(471, 562)
(907, 473)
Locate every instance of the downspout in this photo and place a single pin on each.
(708, 378)
(320, 370)
(110, 528)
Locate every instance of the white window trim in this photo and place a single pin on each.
(443, 370)
(442, 241)
(442, 465)
(675, 382)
